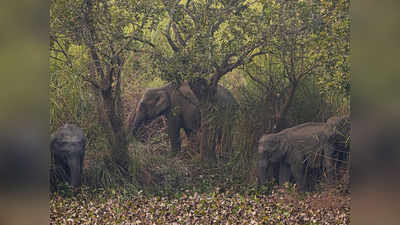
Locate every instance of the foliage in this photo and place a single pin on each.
(298, 58)
(336, 74)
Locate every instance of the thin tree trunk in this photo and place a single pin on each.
(117, 138)
(281, 121)
(109, 109)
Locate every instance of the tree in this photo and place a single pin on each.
(301, 49)
(336, 76)
(207, 39)
(108, 31)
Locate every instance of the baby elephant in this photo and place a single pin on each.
(67, 146)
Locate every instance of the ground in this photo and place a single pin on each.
(280, 205)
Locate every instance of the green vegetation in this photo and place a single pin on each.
(286, 62)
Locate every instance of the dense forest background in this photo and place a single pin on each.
(286, 63)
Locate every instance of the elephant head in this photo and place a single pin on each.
(68, 148)
(270, 146)
(270, 154)
(154, 103)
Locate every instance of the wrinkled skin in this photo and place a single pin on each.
(299, 154)
(67, 146)
(180, 106)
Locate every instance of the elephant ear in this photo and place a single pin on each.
(276, 149)
(270, 146)
(187, 91)
(162, 102)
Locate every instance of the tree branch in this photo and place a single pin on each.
(92, 34)
(258, 81)
(58, 59)
(63, 51)
(178, 35)
(91, 81)
(131, 38)
(190, 14)
(168, 36)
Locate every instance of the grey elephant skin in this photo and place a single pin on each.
(67, 146)
(179, 105)
(302, 153)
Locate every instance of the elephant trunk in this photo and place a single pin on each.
(75, 171)
(137, 122)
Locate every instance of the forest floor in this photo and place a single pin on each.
(278, 205)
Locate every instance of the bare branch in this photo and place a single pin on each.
(215, 26)
(172, 22)
(187, 3)
(58, 59)
(258, 81)
(178, 35)
(63, 51)
(194, 19)
(308, 71)
(91, 81)
(130, 39)
(168, 36)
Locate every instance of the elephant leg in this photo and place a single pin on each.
(329, 163)
(193, 138)
(273, 172)
(284, 173)
(62, 170)
(174, 135)
(262, 171)
(299, 175)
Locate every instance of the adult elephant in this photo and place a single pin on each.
(180, 106)
(301, 153)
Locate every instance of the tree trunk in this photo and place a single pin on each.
(281, 120)
(111, 122)
(117, 138)
(110, 109)
(206, 94)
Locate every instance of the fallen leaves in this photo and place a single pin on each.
(280, 207)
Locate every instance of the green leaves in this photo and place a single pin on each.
(209, 38)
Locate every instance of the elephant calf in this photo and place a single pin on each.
(67, 146)
(300, 154)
